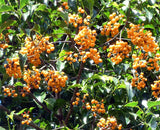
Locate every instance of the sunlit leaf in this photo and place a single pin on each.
(11, 115)
(151, 104)
(60, 65)
(50, 103)
(18, 84)
(5, 8)
(61, 55)
(22, 111)
(23, 3)
(131, 104)
(149, 14)
(6, 24)
(22, 60)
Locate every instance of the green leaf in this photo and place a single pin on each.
(22, 60)
(132, 104)
(122, 85)
(60, 65)
(59, 104)
(125, 67)
(40, 96)
(91, 4)
(129, 90)
(126, 5)
(153, 123)
(37, 121)
(30, 109)
(11, 82)
(50, 103)
(151, 104)
(61, 55)
(41, 7)
(25, 15)
(149, 14)
(72, 4)
(23, 3)
(6, 24)
(36, 28)
(1, 128)
(106, 78)
(22, 111)
(152, 2)
(150, 26)
(74, 86)
(139, 113)
(64, 16)
(11, 115)
(18, 84)
(5, 8)
(43, 125)
(2, 2)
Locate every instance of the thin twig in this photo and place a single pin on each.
(74, 93)
(41, 104)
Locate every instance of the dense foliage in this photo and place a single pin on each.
(79, 64)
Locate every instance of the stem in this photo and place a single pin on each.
(19, 117)
(41, 104)
(74, 93)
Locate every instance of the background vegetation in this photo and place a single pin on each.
(31, 102)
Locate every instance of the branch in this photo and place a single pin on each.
(45, 108)
(119, 31)
(41, 104)
(74, 93)
(19, 117)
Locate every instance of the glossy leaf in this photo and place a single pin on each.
(22, 61)
(23, 3)
(151, 104)
(131, 104)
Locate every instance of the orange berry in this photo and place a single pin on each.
(77, 94)
(15, 95)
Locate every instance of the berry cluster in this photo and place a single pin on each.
(4, 40)
(112, 26)
(75, 19)
(33, 48)
(93, 54)
(55, 80)
(143, 60)
(85, 38)
(13, 68)
(64, 6)
(139, 80)
(156, 88)
(26, 119)
(109, 124)
(142, 39)
(10, 91)
(32, 78)
(77, 99)
(119, 51)
(80, 10)
(96, 107)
